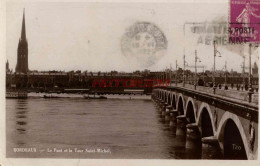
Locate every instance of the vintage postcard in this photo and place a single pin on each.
(89, 82)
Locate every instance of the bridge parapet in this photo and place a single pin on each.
(240, 95)
(204, 89)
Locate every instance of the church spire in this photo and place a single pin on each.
(23, 33)
(22, 51)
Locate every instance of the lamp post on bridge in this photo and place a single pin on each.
(249, 79)
(250, 67)
(165, 73)
(157, 78)
(214, 84)
(244, 68)
(225, 74)
(176, 75)
(184, 69)
(250, 90)
(196, 58)
(195, 69)
(162, 75)
(243, 71)
(214, 66)
(203, 76)
(170, 75)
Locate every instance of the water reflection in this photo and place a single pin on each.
(18, 116)
(21, 117)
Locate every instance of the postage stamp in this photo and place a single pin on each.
(244, 21)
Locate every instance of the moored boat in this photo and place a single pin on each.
(50, 96)
(95, 97)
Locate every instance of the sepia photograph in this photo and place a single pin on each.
(165, 80)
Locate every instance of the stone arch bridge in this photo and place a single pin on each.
(226, 127)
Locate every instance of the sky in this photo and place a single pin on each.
(87, 36)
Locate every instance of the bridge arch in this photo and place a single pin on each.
(205, 121)
(231, 136)
(173, 100)
(190, 111)
(157, 92)
(169, 98)
(162, 92)
(180, 105)
(164, 95)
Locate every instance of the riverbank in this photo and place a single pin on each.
(71, 95)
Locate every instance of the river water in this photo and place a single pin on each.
(80, 128)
